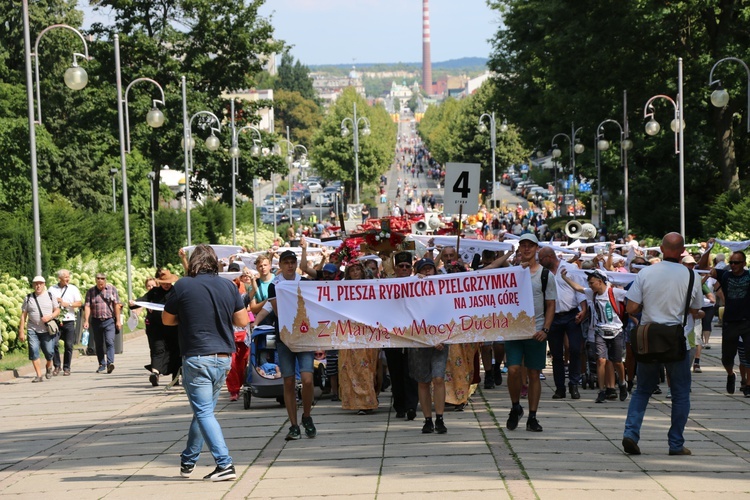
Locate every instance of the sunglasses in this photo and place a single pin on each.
(735, 262)
(404, 266)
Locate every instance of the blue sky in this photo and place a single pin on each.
(374, 31)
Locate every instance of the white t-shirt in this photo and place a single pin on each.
(710, 282)
(69, 294)
(605, 319)
(662, 289)
(567, 298)
(550, 294)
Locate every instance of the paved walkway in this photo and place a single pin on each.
(114, 436)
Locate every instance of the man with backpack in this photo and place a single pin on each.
(607, 317)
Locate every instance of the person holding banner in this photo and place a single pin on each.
(532, 353)
(289, 359)
(403, 388)
(358, 368)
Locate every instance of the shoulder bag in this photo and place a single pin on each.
(52, 327)
(657, 343)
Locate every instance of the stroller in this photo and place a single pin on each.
(263, 377)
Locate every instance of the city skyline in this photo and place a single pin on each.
(379, 31)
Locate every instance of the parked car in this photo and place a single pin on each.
(298, 199)
(323, 200)
(314, 186)
(274, 205)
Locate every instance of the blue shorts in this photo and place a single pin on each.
(289, 359)
(43, 340)
(530, 352)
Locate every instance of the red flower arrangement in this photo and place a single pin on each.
(347, 251)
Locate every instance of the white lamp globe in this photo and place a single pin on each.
(719, 98)
(652, 127)
(155, 118)
(212, 143)
(602, 144)
(76, 77)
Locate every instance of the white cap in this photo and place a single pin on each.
(38, 279)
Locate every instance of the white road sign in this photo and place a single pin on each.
(461, 188)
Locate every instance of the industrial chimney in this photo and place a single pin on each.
(426, 62)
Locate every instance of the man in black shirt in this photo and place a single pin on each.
(205, 306)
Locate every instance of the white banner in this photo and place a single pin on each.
(406, 312)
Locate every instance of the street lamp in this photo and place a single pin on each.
(152, 177)
(75, 78)
(678, 127)
(575, 148)
(188, 144)
(493, 144)
(354, 123)
(234, 153)
(720, 97)
(113, 174)
(155, 119)
(603, 145)
(291, 148)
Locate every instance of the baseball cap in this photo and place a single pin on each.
(38, 279)
(597, 274)
(421, 263)
(529, 237)
(330, 268)
(402, 257)
(688, 259)
(287, 254)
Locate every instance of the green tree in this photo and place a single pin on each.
(333, 156)
(295, 77)
(302, 116)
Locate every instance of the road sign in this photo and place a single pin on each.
(461, 188)
(610, 211)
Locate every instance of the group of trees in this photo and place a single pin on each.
(559, 62)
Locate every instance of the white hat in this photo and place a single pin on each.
(38, 279)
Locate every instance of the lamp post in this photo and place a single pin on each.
(75, 78)
(291, 148)
(152, 177)
(720, 97)
(603, 145)
(188, 143)
(354, 122)
(575, 148)
(493, 144)
(234, 153)
(113, 173)
(155, 119)
(678, 127)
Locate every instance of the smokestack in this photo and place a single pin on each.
(426, 62)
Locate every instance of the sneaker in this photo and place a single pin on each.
(657, 390)
(601, 397)
(573, 390)
(489, 380)
(746, 391)
(219, 474)
(559, 394)
(411, 414)
(513, 417)
(542, 376)
(707, 346)
(630, 446)
(611, 393)
(400, 414)
(498, 375)
(101, 369)
(186, 469)
(532, 425)
(697, 369)
(37, 379)
(154, 379)
(49, 372)
(440, 427)
(428, 427)
(293, 433)
(307, 423)
(623, 392)
(669, 393)
(459, 407)
(731, 379)
(683, 451)
(110, 368)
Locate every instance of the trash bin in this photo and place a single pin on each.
(374, 213)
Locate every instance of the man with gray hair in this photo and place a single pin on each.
(68, 299)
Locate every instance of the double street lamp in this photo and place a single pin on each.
(493, 144)
(188, 143)
(603, 145)
(155, 119)
(575, 148)
(678, 127)
(75, 78)
(291, 148)
(354, 123)
(234, 153)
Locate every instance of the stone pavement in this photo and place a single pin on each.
(114, 436)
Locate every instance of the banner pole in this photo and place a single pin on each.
(460, 226)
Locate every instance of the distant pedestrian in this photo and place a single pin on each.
(102, 312)
(205, 307)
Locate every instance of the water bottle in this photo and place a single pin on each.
(85, 337)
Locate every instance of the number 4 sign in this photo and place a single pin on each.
(461, 188)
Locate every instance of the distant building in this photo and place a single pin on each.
(329, 88)
(252, 95)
